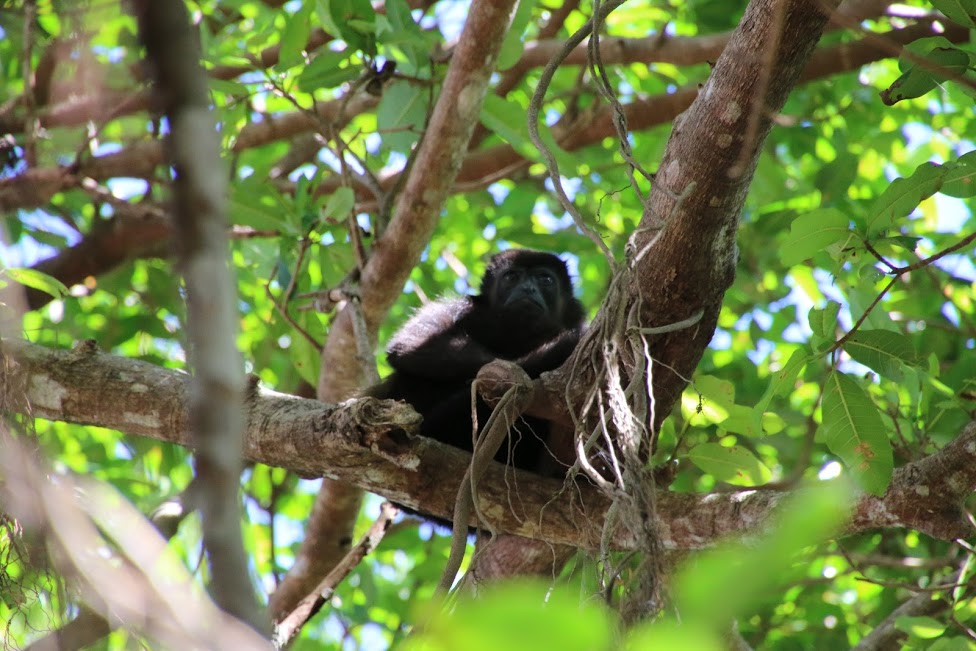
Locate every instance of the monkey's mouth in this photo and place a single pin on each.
(527, 303)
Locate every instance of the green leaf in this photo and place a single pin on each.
(401, 115)
(960, 11)
(507, 119)
(668, 635)
(823, 321)
(944, 62)
(248, 206)
(340, 204)
(517, 616)
(834, 178)
(37, 280)
(960, 178)
(304, 356)
(734, 465)
(912, 83)
(884, 351)
(782, 381)
(811, 232)
(965, 576)
(353, 20)
(925, 628)
(716, 391)
(903, 196)
(707, 400)
(229, 86)
(513, 47)
(742, 420)
(49, 22)
(903, 242)
(294, 38)
(327, 70)
(956, 643)
(514, 129)
(853, 430)
(406, 35)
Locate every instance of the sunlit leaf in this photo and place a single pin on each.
(340, 204)
(250, 207)
(36, 279)
(734, 464)
(715, 389)
(304, 355)
(810, 233)
(327, 70)
(401, 113)
(742, 420)
(853, 430)
(943, 62)
(902, 197)
(882, 350)
(823, 321)
(781, 382)
(354, 20)
(517, 616)
(507, 119)
(960, 179)
(925, 628)
(295, 36)
(668, 635)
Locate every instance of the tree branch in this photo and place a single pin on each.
(397, 251)
(367, 442)
(703, 179)
(199, 189)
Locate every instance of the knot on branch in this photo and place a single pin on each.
(385, 427)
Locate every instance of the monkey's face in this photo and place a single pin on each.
(531, 292)
(531, 288)
(528, 297)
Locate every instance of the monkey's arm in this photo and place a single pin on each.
(434, 343)
(551, 354)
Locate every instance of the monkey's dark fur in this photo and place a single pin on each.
(525, 313)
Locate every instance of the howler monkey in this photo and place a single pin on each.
(525, 313)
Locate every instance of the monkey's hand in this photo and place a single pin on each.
(497, 377)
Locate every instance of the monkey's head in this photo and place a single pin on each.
(531, 286)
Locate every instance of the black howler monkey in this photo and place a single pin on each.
(525, 313)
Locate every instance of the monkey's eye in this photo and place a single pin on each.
(511, 276)
(545, 278)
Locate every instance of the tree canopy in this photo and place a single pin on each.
(215, 215)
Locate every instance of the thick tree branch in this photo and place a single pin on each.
(199, 189)
(364, 442)
(127, 235)
(701, 185)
